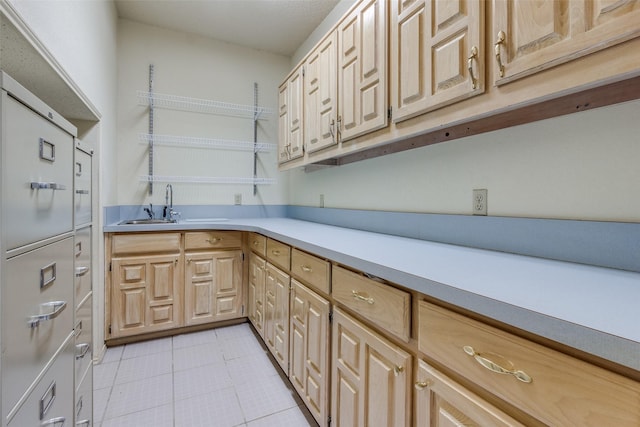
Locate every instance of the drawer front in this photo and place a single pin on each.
(83, 333)
(82, 192)
(312, 270)
(387, 307)
(38, 197)
(37, 313)
(52, 397)
(212, 240)
(279, 254)
(84, 400)
(562, 390)
(145, 243)
(258, 243)
(83, 264)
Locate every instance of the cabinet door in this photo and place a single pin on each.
(320, 95)
(441, 402)
(255, 298)
(291, 117)
(437, 54)
(283, 123)
(276, 332)
(531, 36)
(362, 65)
(309, 350)
(213, 286)
(146, 294)
(370, 377)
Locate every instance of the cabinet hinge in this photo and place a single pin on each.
(242, 256)
(331, 317)
(390, 113)
(110, 267)
(109, 329)
(242, 311)
(303, 71)
(329, 420)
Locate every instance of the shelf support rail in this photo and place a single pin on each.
(255, 137)
(151, 72)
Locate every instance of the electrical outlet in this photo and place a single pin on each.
(322, 200)
(479, 206)
(237, 199)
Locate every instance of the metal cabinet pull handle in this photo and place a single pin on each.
(85, 423)
(494, 367)
(82, 350)
(47, 186)
(276, 252)
(46, 282)
(474, 55)
(331, 131)
(55, 422)
(81, 271)
(421, 385)
(306, 268)
(56, 308)
(359, 297)
(82, 191)
(397, 370)
(501, 38)
(49, 156)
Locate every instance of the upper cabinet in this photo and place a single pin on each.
(362, 65)
(290, 112)
(437, 54)
(531, 36)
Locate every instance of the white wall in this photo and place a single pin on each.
(580, 166)
(198, 67)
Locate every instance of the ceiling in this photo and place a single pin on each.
(276, 26)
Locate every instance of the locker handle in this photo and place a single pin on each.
(46, 282)
(55, 422)
(81, 271)
(49, 156)
(47, 186)
(82, 350)
(81, 423)
(82, 191)
(57, 308)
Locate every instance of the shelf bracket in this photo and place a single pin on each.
(255, 137)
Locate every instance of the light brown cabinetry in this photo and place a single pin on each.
(533, 36)
(309, 349)
(437, 54)
(440, 402)
(255, 294)
(371, 377)
(290, 130)
(276, 314)
(552, 387)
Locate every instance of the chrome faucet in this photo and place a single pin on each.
(168, 211)
(149, 211)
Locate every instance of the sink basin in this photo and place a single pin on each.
(147, 221)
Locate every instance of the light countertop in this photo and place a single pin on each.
(593, 309)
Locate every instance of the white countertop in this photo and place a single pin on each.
(594, 309)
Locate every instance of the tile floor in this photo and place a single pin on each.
(217, 378)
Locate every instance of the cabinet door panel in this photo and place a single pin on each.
(277, 315)
(362, 79)
(256, 296)
(431, 46)
(542, 34)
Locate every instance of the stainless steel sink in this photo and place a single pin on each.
(147, 221)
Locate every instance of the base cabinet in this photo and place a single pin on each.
(213, 286)
(309, 349)
(370, 379)
(440, 402)
(255, 294)
(276, 324)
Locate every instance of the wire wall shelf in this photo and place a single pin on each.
(229, 144)
(197, 105)
(206, 180)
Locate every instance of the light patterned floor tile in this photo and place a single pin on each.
(143, 367)
(219, 408)
(250, 368)
(201, 380)
(100, 399)
(104, 375)
(195, 338)
(113, 354)
(145, 348)
(161, 416)
(264, 397)
(193, 357)
(233, 332)
(293, 417)
(139, 395)
(240, 347)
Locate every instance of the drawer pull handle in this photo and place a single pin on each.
(47, 150)
(85, 423)
(44, 281)
(47, 399)
(82, 191)
(81, 271)
(56, 308)
(256, 243)
(276, 252)
(214, 240)
(494, 367)
(359, 297)
(55, 422)
(421, 385)
(82, 350)
(47, 186)
(397, 370)
(306, 268)
(501, 38)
